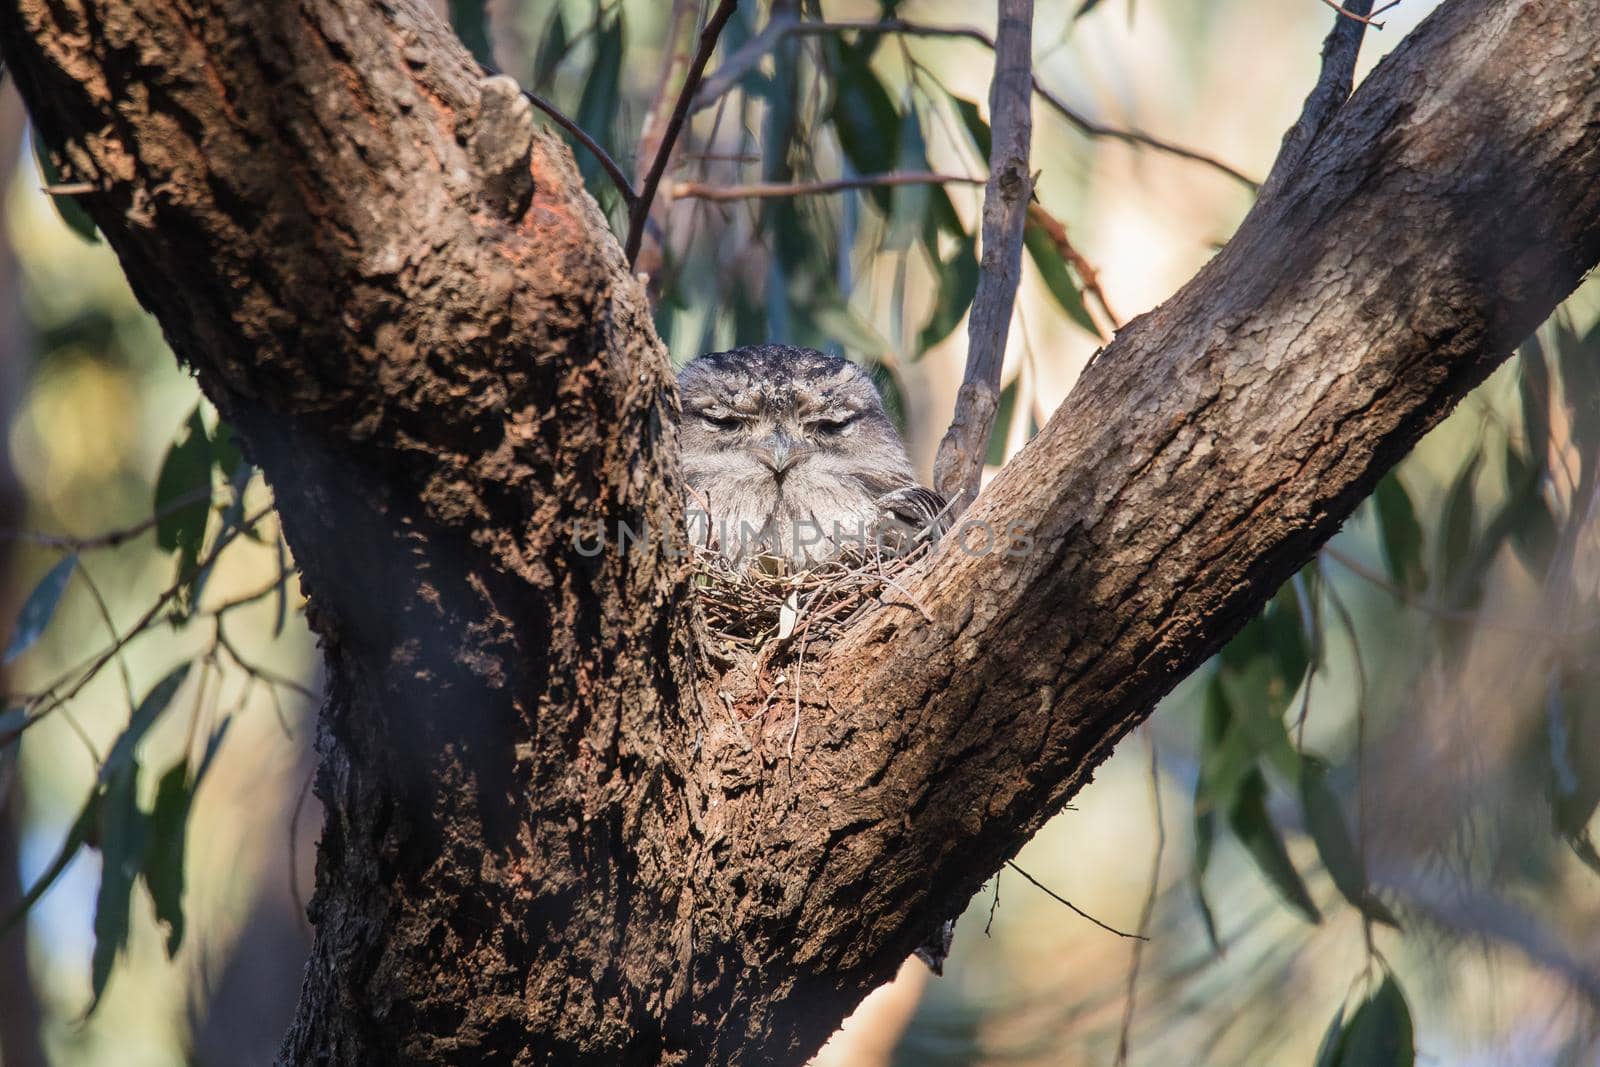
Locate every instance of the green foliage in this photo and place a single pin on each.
(1400, 533)
(1379, 1034)
(183, 494)
(39, 608)
(1336, 845)
(599, 105)
(470, 20)
(194, 462)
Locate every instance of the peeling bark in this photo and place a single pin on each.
(545, 841)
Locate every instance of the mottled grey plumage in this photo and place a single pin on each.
(789, 453)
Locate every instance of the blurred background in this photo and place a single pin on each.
(1369, 816)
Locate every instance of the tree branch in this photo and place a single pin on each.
(781, 26)
(680, 113)
(1362, 17)
(959, 466)
(786, 190)
(1339, 53)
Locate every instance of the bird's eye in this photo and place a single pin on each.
(832, 425)
(717, 422)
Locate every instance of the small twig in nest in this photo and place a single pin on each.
(767, 614)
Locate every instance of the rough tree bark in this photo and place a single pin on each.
(544, 841)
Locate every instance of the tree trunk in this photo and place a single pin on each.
(545, 841)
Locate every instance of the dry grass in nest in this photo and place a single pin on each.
(765, 610)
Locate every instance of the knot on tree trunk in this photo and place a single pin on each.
(500, 140)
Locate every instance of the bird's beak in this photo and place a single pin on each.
(780, 452)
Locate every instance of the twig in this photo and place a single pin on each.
(746, 58)
(111, 629)
(679, 26)
(618, 178)
(781, 190)
(1365, 20)
(1334, 83)
(958, 468)
(294, 860)
(48, 701)
(1059, 899)
(994, 905)
(70, 188)
(1149, 900)
(112, 538)
(272, 678)
(1056, 230)
(640, 209)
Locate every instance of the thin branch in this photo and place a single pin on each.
(294, 857)
(1059, 899)
(755, 49)
(640, 209)
(111, 629)
(112, 538)
(779, 190)
(958, 468)
(994, 905)
(1365, 20)
(1333, 88)
(270, 677)
(679, 50)
(49, 701)
(679, 35)
(618, 178)
(1056, 230)
(1151, 893)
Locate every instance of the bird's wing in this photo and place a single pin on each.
(921, 509)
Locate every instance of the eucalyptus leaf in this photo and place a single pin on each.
(182, 500)
(602, 92)
(470, 20)
(163, 858)
(1456, 527)
(1328, 1048)
(1254, 829)
(1205, 833)
(140, 721)
(1380, 1033)
(864, 117)
(1400, 533)
(122, 834)
(911, 204)
(77, 835)
(1326, 823)
(1533, 527)
(958, 284)
(39, 608)
(1004, 412)
(554, 44)
(12, 722)
(1533, 388)
(1057, 277)
(977, 129)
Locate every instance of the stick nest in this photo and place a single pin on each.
(764, 609)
